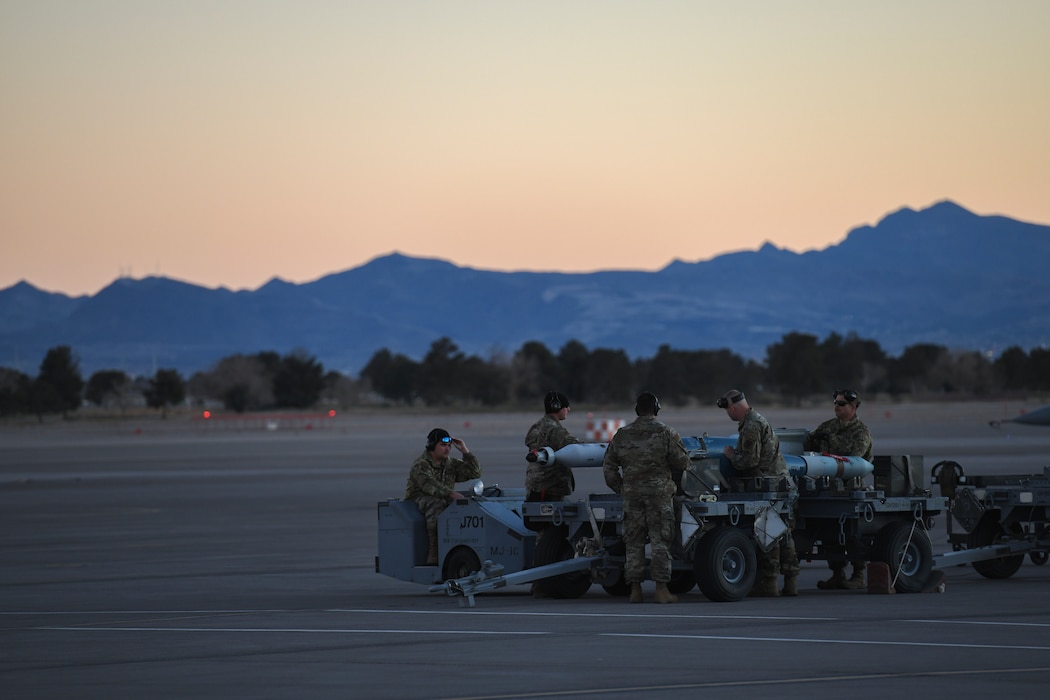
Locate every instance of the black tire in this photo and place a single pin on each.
(620, 589)
(552, 547)
(906, 549)
(681, 582)
(725, 564)
(460, 562)
(1038, 558)
(986, 533)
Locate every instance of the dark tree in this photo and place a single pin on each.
(485, 382)
(795, 365)
(237, 398)
(57, 388)
(1039, 369)
(1011, 369)
(166, 389)
(573, 358)
(610, 377)
(299, 381)
(241, 382)
(666, 375)
(107, 387)
(438, 381)
(535, 371)
(391, 376)
(968, 372)
(15, 388)
(851, 363)
(340, 389)
(680, 376)
(911, 372)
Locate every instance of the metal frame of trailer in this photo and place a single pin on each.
(490, 540)
(1000, 519)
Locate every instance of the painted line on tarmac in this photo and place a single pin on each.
(145, 612)
(500, 613)
(808, 680)
(980, 622)
(800, 640)
(495, 613)
(290, 630)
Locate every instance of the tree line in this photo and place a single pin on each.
(796, 368)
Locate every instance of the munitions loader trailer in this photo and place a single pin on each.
(490, 541)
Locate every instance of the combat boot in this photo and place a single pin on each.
(636, 593)
(837, 580)
(790, 588)
(764, 588)
(856, 581)
(663, 595)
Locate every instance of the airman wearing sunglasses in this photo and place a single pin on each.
(847, 436)
(432, 480)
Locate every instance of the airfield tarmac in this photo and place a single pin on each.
(148, 558)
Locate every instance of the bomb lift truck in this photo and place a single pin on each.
(489, 541)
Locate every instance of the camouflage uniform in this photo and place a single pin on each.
(644, 463)
(846, 439)
(758, 455)
(430, 484)
(551, 482)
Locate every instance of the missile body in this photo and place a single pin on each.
(587, 454)
(807, 464)
(815, 465)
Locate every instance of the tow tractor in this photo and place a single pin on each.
(489, 540)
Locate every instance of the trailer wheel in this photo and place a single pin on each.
(620, 589)
(1038, 558)
(553, 547)
(681, 582)
(986, 533)
(906, 549)
(460, 562)
(725, 564)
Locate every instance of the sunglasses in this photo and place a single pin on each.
(445, 440)
(849, 394)
(842, 403)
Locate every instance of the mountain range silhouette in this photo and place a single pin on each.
(941, 275)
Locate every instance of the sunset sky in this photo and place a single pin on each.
(227, 142)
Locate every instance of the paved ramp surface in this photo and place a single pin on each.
(150, 560)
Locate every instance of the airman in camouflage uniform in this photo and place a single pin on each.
(644, 462)
(550, 482)
(847, 436)
(757, 454)
(432, 480)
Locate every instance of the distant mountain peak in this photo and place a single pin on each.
(940, 275)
